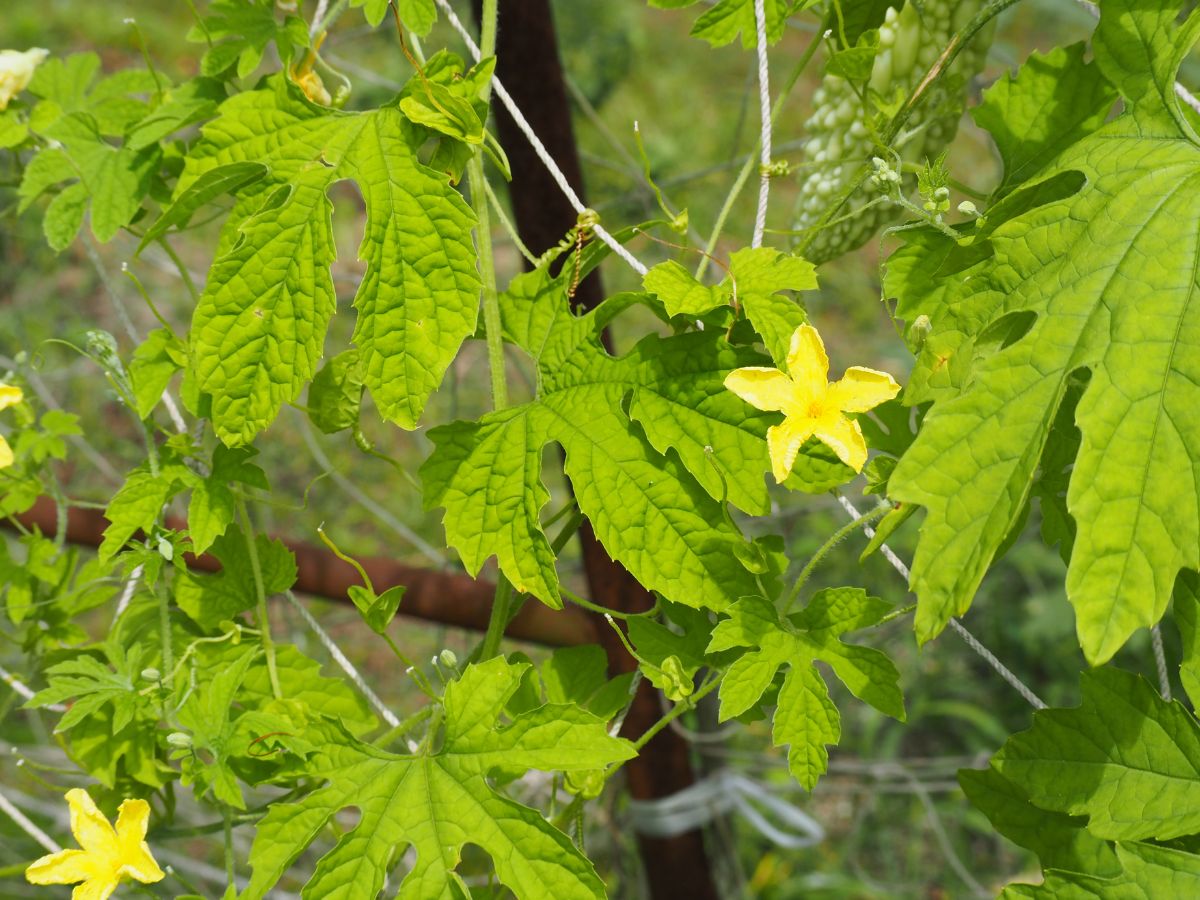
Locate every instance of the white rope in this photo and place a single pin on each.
(1160, 662)
(27, 826)
(127, 594)
(22, 690)
(973, 642)
(343, 662)
(538, 147)
(717, 794)
(764, 105)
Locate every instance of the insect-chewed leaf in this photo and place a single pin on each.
(435, 802)
(259, 329)
(1101, 278)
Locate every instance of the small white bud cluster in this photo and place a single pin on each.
(884, 178)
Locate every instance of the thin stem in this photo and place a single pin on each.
(604, 611)
(507, 224)
(164, 635)
(183, 273)
(677, 710)
(405, 726)
(498, 620)
(490, 296)
(260, 598)
(751, 160)
(228, 829)
(838, 536)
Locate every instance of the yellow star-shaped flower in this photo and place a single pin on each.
(16, 71)
(812, 407)
(10, 395)
(108, 854)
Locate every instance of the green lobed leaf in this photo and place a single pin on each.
(757, 276)
(680, 293)
(1053, 101)
(654, 513)
(805, 717)
(720, 24)
(209, 600)
(1125, 758)
(1060, 841)
(1099, 278)
(435, 802)
(1187, 618)
(260, 327)
(137, 505)
(1147, 873)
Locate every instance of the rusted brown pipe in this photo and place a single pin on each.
(444, 597)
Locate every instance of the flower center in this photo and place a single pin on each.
(816, 409)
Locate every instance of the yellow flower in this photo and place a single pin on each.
(314, 89)
(812, 407)
(16, 71)
(108, 854)
(10, 395)
(6, 454)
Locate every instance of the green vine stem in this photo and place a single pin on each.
(838, 536)
(752, 159)
(260, 597)
(678, 710)
(499, 618)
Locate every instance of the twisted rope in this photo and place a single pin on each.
(764, 108)
(973, 642)
(538, 147)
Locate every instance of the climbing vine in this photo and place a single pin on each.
(1055, 368)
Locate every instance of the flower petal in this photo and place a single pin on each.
(10, 395)
(784, 442)
(861, 389)
(6, 454)
(91, 829)
(845, 438)
(135, 859)
(63, 867)
(807, 363)
(96, 888)
(761, 387)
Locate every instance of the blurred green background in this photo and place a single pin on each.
(897, 824)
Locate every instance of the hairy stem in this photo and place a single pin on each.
(260, 597)
(838, 536)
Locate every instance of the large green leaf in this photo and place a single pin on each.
(720, 24)
(260, 327)
(437, 801)
(649, 491)
(1102, 279)
(805, 717)
(1147, 873)
(1125, 758)
(1060, 841)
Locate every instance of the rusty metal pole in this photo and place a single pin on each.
(528, 64)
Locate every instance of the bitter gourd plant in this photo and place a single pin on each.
(1054, 337)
